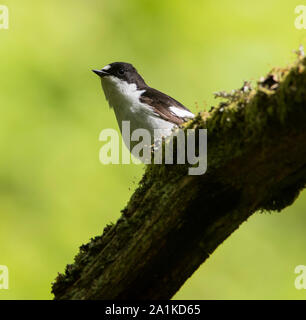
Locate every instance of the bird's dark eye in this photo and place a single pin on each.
(121, 72)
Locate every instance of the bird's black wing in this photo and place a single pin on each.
(161, 103)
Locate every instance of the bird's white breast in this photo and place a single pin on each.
(123, 97)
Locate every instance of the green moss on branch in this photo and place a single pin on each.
(173, 222)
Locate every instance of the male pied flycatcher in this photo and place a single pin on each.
(134, 101)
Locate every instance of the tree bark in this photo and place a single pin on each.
(174, 221)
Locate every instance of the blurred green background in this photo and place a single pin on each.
(54, 192)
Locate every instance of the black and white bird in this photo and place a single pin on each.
(134, 101)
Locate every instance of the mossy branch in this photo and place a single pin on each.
(174, 221)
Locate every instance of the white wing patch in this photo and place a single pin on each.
(181, 112)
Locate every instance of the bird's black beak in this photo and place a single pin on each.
(100, 73)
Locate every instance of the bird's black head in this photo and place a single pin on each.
(123, 71)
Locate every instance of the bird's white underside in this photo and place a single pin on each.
(123, 97)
